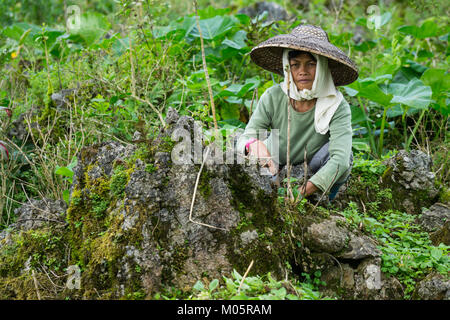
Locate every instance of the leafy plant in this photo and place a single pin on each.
(407, 252)
(67, 173)
(255, 288)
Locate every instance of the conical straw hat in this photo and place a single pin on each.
(269, 53)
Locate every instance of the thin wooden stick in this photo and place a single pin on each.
(211, 97)
(329, 187)
(133, 81)
(305, 169)
(255, 92)
(35, 284)
(288, 156)
(195, 192)
(245, 275)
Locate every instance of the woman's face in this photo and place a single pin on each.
(303, 69)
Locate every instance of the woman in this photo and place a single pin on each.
(320, 116)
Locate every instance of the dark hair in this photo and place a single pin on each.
(295, 53)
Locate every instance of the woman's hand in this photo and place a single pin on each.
(259, 150)
(309, 189)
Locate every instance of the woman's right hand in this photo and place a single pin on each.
(259, 150)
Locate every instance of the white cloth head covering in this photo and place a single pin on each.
(328, 97)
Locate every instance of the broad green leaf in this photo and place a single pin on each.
(232, 90)
(237, 41)
(361, 22)
(397, 110)
(213, 284)
(378, 79)
(358, 115)
(93, 26)
(414, 94)
(199, 286)
(17, 30)
(351, 92)
(52, 35)
(438, 80)
(379, 20)
(243, 18)
(64, 171)
(241, 296)
(164, 31)
(372, 92)
(415, 67)
(436, 253)
(428, 29)
(176, 29)
(214, 27)
(388, 67)
(227, 53)
(232, 124)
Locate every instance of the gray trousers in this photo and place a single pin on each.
(319, 159)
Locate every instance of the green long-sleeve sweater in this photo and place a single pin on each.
(271, 113)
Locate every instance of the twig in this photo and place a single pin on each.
(195, 192)
(288, 156)
(35, 284)
(211, 97)
(305, 168)
(243, 278)
(145, 37)
(133, 80)
(255, 92)
(138, 99)
(40, 219)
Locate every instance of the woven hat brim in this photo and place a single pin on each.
(268, 55)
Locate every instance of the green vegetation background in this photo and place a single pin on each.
(131, 60)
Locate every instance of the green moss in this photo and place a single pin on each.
(257, 212)
(34, 254)
(444, 195)
(97, 238)
(119, 181)
(204, 184)
(166, 144)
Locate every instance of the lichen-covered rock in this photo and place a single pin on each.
(433, 287)
(36, 213)
(436, 221)
(434, 217)
(327, 236)
(360, 247)
(132, 229)
(365, 281)
(411, 179)
(274, 11)
(442, 235)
